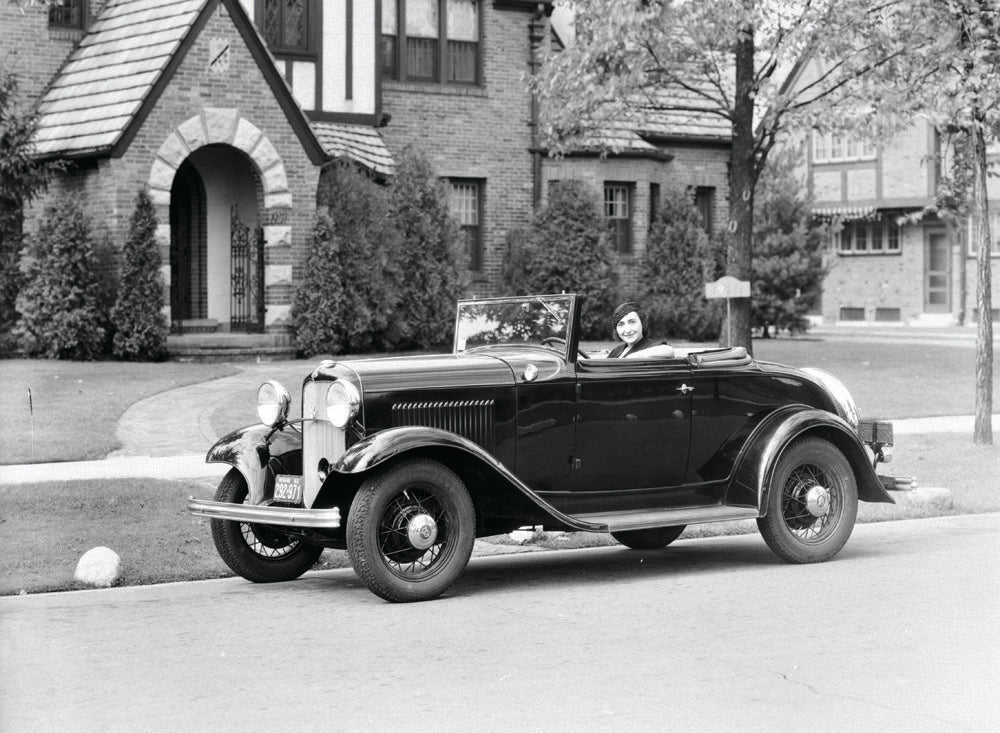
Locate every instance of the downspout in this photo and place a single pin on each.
(536, 35)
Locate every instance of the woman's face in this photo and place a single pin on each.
(630, 328)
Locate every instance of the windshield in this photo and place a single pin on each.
(523, 320)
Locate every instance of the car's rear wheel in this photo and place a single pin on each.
(410, 530)
(812, 503)
(648, 539)
(258, 552)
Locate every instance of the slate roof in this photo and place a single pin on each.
(101, 87)
(360, 143)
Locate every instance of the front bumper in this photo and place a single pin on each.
(281, 516)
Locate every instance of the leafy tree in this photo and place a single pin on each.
(65, 302)
(680, 259)
(22, 177)
(565, 249)
(348, 298)
(140, 327)
(430, 256)
(726, 59)
(788, 267)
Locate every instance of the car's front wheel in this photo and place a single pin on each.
(812, 503)
(410, 530)
(648, 539)
(258, 552)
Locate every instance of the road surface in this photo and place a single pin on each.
(899, 633)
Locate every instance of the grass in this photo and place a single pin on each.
(75, 405)
(45, 528)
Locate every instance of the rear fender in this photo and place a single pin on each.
(258, 452)
(757, 461)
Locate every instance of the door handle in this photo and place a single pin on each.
(684, 389)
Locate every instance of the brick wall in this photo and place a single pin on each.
(29, 48)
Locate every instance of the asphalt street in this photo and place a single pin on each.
(898, 633)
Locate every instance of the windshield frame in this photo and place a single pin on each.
(567, 350)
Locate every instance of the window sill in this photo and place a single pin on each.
(883, 253)
(61, 33)
(434, 87)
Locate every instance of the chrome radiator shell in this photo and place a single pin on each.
(320, 439)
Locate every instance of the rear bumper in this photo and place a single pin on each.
(280, 516)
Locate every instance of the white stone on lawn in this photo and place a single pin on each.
(99, 567)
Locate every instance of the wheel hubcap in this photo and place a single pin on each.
(422, 531)
(818, 501)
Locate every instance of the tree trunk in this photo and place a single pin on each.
(742, 177)
(983, 433)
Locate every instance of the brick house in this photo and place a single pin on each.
(227, 111)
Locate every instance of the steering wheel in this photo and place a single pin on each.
(551, 340)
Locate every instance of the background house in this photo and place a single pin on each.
(227, 112)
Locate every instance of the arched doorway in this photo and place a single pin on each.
(217, 245)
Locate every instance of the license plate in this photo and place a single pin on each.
(288, 488)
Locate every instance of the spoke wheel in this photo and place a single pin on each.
(257, 552)
(410, 530)
(648, 539)
(812, 503)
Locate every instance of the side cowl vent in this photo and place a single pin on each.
(472, 419)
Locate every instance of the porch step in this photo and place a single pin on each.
(209, 347)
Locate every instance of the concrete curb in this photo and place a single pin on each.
(171, 467)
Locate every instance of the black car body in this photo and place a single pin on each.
(403, 461)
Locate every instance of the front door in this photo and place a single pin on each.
(937, 273)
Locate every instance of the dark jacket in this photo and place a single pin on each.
(644, 343)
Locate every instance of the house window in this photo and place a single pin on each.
(704, 201)
(994, 235)
(67, 13)
(654, 203)
(832, 148)
(411, 40)
(868, 237)
(285, 25)
(467, 206)
(618, 214)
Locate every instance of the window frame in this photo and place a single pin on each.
(972, 250)
(68, 5)
(398, 69)
(473, 233)
(623, 245)
(885, 227)
(704, 202)
(825, 144)
(312, 19)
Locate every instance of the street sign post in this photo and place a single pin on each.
(728, 287)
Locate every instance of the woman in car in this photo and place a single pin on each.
(629, 325)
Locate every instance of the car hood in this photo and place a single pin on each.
(422, 372)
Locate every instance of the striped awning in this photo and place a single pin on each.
(864, 213)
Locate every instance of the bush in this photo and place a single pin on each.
(140, 328)
(348, 297)
(65, 302)
(430, 256)
(680, 259)
(565, 249)
(788, 266)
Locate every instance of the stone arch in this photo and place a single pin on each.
(212, 126)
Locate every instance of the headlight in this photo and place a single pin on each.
(342, 403)
(272, 402)
(841, 397)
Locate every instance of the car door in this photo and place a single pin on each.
(633, 425)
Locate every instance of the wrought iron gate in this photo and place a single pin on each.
(246, 275)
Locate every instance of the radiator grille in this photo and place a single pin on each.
(472, 419)
(319, 438)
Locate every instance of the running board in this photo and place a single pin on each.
(650, 518)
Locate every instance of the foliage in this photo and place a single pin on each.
(140, 327)
(430, 255)
(788, 268)
(565, 249)
(680, 259)
(348, 297)
(22, 177)
(68, 290)
(650, 63)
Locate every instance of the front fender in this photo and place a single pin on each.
(760, 455)
(250, 450)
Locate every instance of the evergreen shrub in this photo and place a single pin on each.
(565, 248)
(66, 298)
(140, 327)
(431, 255)
(680, 259)
(348, 298)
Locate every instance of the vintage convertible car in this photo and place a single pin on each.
(404, 461)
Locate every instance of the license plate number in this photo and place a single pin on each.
(288, 488)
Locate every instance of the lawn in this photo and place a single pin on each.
(74, 406)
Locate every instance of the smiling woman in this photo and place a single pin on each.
(629, 325)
